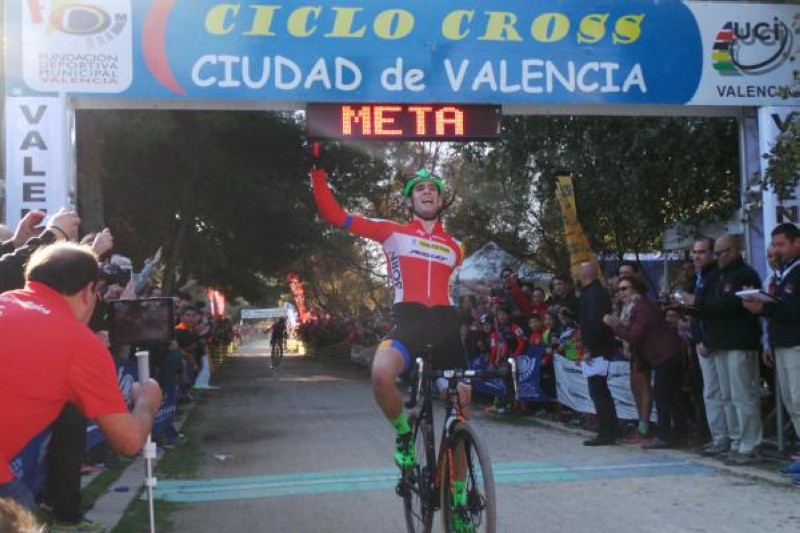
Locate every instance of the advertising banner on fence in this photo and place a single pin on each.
(273, 312)
(127, 375)
(529, 378)
(573, 389)
(478, 51)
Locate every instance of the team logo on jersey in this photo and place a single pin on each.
(397, 276)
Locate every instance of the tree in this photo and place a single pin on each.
(225, 193)
(633, 178)
(783, 160)
(344, 272)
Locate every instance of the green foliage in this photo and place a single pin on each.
(783, 160)
(634, 177)
(225, 193)
(343, 272)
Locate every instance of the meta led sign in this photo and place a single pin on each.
(403, 122)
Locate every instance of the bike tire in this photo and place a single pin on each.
(481, 504)
(275, 358)
(418, 494)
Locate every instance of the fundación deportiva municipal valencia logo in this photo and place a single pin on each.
(96, 24)
(78, 45)
(743, 48)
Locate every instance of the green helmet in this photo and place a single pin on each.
(420, 176)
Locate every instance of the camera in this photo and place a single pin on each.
(142, 321)
(115, 275)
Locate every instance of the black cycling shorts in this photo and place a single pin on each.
(417, 326)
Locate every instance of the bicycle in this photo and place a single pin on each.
(276, 355)
(428, 486)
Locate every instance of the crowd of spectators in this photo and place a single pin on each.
(365, 329)
(322, 329)
(699, 354)
(41, 277)
(698, 351)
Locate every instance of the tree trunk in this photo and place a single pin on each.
(90, 171)
(175, 252)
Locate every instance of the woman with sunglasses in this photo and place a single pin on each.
(651, 338)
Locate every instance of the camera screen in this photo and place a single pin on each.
(142, 321)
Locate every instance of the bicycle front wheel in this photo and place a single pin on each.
(466, 461)
(416, 484)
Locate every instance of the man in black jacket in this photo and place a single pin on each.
(783, 316)
(706, 268)
(564, 293)
(598, 342)
(731, 335)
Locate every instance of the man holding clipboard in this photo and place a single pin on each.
(732, 337)
(781, 307)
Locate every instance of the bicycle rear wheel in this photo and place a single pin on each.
(479, 480)
(416, 484)
(276, 356)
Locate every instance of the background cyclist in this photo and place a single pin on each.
(278, 334)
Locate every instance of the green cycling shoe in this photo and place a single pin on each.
(460, 522)
(404, 451)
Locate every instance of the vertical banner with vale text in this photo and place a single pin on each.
(39, 173)
(771, 122)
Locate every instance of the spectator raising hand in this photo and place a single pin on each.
(27, 228)
(103, 243)
(156, 257)
(129, 292)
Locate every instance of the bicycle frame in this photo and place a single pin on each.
(426, 382)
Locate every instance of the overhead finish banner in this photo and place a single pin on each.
(465, 51)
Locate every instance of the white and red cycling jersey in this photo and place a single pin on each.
(419, 263)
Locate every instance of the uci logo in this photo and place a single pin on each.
(752, 47)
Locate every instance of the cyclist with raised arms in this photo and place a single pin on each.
(421, 258)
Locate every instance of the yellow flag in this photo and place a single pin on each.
(577, 243)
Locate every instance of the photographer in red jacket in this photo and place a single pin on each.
(70, 363)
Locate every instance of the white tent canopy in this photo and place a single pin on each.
(480, 272)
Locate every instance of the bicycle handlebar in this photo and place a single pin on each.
(454, 374)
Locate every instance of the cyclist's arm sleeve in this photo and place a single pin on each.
(332, 212)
